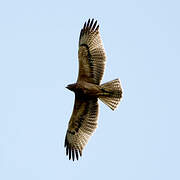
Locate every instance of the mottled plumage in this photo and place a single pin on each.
(87, 90)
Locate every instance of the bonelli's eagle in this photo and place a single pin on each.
(87, 90)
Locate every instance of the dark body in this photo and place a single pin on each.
(85, 89)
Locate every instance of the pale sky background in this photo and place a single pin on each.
(38, 58)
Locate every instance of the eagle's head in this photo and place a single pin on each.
(71, 87)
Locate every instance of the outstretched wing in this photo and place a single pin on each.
(82, 124)
(91, 53)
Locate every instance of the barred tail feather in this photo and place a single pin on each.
(111, 93)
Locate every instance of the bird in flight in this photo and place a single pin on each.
(87, 89)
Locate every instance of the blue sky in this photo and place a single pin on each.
(38, 58)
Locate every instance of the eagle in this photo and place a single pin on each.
(87, 90)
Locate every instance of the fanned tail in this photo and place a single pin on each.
(111, 93)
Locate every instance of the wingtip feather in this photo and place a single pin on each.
(71, 152)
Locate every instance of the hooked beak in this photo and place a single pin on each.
(71, 87)
(68, 87)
